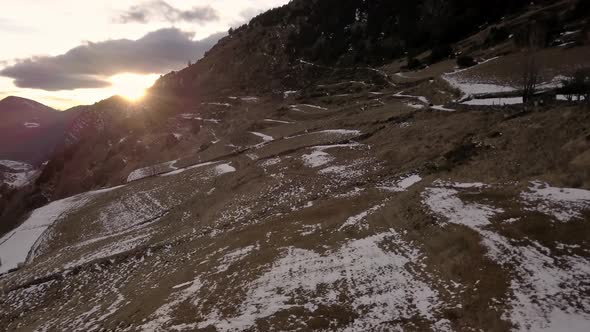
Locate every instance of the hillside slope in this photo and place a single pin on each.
(258, 191)
(384, 218)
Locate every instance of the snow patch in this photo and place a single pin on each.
(224, 169)
(182, 170)
(401, 184)
(310, 229)
(31, 125)
(277, 121)
(547, 289)
(265, 138)
(420, 98)
(234, 256)
(573, 98)
(494, 101)
(20, 173)
(416, 106)
(218, 104)
(163, 315)
(16, 165)
(337, 132)
(17, 244)
(249, 99)
(270, 162)
(150, 171)
(564, 204)
(298, 107)
(287, 94)
(357, 220)
(376, 283)
(109, 250)
(316, 159)
(441, 108)
(470, 87)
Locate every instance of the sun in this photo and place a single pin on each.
(132, 86)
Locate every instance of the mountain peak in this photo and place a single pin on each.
(15, 103)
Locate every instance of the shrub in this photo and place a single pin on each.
(465, 61)
(578, 86)
(196, 126)
(171, 140)
(440, 52)
(497, 35)
(413, 64)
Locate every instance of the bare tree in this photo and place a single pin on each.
(582, 79)
(530, 76)
(536, 37)
(567, 88)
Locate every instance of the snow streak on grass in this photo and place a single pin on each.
(110, 250)
(234, 256)
(265, 138)
(277, 121)
(494, 101)
(547, 288)
(163, 315)
(316, 158)
(223, 169)
(376, 283)
(564, 204)
(15, 165)
(182, 170)
(401, 184)
(16, 246)
(357, 220)
(149, 171)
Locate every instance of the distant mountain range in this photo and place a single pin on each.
(29, 131)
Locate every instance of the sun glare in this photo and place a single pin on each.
(132, 86)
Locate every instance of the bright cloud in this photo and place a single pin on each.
(73, 59)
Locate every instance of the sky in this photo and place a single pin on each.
(65, 53)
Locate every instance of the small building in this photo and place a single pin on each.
(543, 98)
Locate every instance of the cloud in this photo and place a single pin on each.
(161, 11)
(12, 26)
(89, 65)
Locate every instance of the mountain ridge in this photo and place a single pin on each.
(31, 124)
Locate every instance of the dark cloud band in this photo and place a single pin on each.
(161, 11)
(89, 65)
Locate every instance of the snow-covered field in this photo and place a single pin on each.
(563, 204)
(16, 165)
(362, 262)
(17, 244)
(546, 287)
(20, 173)
(494, 101)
